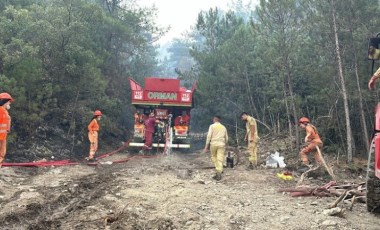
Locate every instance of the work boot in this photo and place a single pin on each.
(218, 176)
(92, 159)
(251, 166)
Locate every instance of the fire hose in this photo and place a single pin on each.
(69, 162)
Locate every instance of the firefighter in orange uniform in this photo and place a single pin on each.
(5, 123)
(93, 129)
(139, 118)
(184, 119)
(312, 139)
(181, 124)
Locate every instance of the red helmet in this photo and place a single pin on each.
(303, 120)
(6, 96)
(98, 113)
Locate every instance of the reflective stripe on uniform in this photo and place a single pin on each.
(3, 128)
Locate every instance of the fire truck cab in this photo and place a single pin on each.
(171, 105)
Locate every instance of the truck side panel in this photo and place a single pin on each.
(377, 156)
(377, 141)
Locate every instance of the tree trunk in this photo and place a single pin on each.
(293, 104)
(361, 106)
(343, 85)
(288, 114)
(250, 99)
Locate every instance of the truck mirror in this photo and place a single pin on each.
(373, 49)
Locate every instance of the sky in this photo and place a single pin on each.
(180, 15)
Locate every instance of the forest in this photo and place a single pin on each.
(278, 60)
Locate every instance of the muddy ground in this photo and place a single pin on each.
(165, 192)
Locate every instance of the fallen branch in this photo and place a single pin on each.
(329, 170)
(310, 191)
(347, 186)
(337, 201)
(337, 192)
(347, 193)
(357, 193)
(303, 175)
(352, 202)
(321, 192)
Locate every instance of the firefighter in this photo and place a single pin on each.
(93, 129)
(252, 137)
(182, 120)
(5, 123)
(312, 140)
(372, 81)
(139, 118)
(149, 123)
(217, 139)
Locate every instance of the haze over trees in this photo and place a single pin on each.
(291, 59)
(278, 61)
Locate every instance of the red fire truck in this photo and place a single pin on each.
(373, 167)
(171, 105)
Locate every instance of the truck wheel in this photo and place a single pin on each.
(373, 183)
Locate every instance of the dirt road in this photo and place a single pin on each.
(171, 192)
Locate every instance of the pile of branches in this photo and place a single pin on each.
(347, 193)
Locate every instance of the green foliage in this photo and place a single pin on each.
(281, 65)
(61, 60)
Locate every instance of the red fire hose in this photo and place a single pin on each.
(68, 162)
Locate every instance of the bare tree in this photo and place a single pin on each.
(356, 68)
(343, 84)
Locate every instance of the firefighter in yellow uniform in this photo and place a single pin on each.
(217, 139)
(252, 137)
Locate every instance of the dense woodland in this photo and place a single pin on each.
(279, 60)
